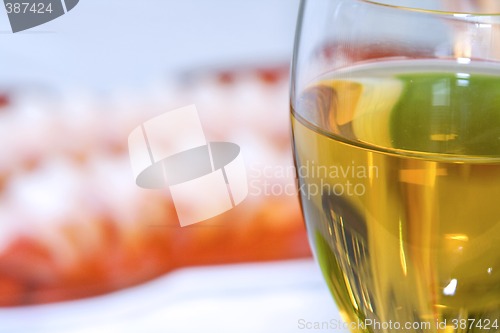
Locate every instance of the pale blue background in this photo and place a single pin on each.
(103, 43)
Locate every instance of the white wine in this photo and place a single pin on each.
(399, 175)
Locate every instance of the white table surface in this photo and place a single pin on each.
(258, 298)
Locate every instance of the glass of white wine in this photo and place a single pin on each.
(395, 109)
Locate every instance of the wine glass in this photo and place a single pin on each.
(395, 110)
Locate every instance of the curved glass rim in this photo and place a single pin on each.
(461, 13)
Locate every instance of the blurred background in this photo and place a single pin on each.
(82, 248)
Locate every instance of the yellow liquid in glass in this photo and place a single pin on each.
(399, 176)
